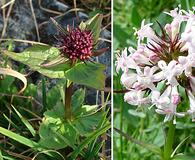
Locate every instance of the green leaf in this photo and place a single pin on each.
(36, 56)
(56, 112)
(77, 100)
(120, 35)
(26, 123)
(85, 125)
(89, 74)
(56, 133)
(51, 98)
(94, 25)
(89, 139)
(135, 17)
(20, 139)
(86, 110)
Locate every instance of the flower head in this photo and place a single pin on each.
(77, 44)
(167, 58)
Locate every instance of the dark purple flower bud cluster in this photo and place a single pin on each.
(77, 44)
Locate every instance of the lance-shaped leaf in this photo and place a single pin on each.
(94, 25)
(43, 59)
(20, 139)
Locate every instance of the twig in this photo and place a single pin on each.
(106, 40)
(129, 138)
(6, 19)
(75, 6)
(23, 41)
(16, 154)
(20, 96)
(35, 21)
(7, 4)
(49, 10)
(70, 10)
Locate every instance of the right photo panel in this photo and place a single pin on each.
(154, 79)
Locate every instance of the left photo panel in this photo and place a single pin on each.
(55, 79)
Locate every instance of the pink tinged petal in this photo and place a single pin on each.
(146, 32)
(137, 86)
(135, 98)
(168, 29)
(164, 100)
(131, 63)
(175, 99)
(127, 79)
(172, 64)
(159, 111)
(147, 70)
(155, 95)
(158, 76)
(182, 60)
(154, 57)
(140, 58)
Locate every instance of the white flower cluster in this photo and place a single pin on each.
(168, 58)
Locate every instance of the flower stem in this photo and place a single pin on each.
(169, 141)
(68, 97)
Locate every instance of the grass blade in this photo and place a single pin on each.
(20, 139)
(26, 123)
(88, 140)
(1, 156)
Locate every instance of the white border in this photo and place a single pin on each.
(112, 102)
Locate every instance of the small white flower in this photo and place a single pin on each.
(146, 78)
(136, 97)
(146, 32)
(128, 79)
(173, 28)
(187, 63)
(140, 57)
(124, 61)
(175, 98)
(164, 104)
(170, 71)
